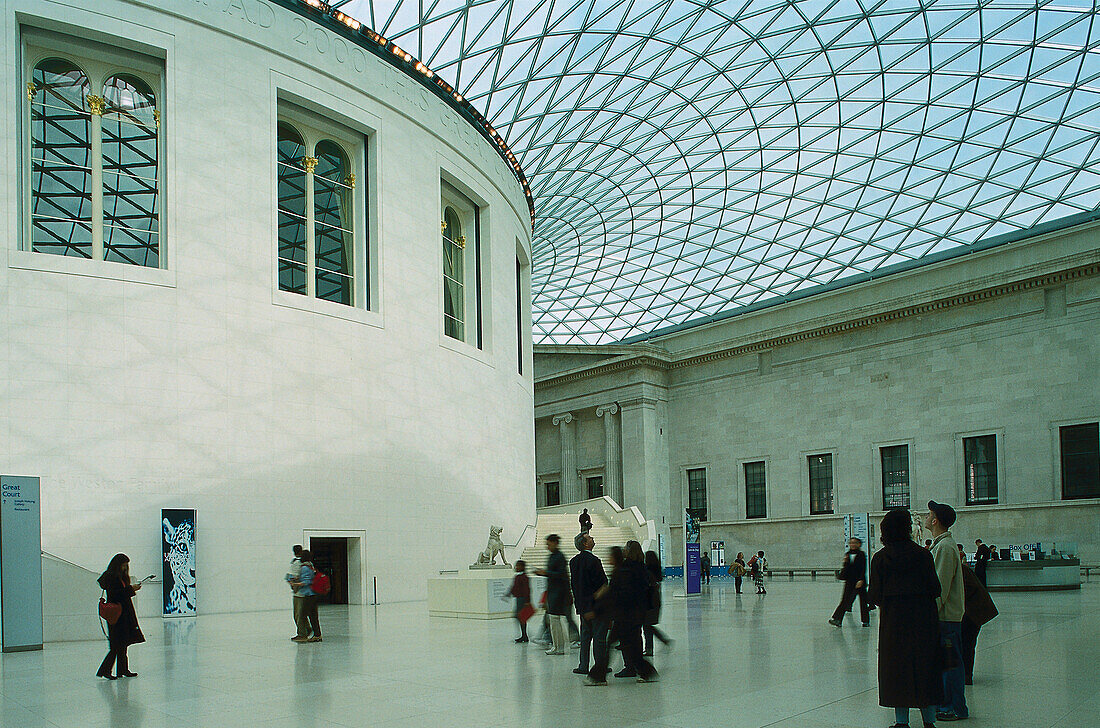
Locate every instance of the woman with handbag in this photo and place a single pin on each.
(124, 631)
(737, 570)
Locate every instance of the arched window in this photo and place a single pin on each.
(95, 163)
(333, 202)
(292, 210)
(61, 159)
(454, 278)
(131, 230)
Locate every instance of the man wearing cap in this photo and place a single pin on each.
(951, 605)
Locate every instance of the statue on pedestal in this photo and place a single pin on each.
(488, 557)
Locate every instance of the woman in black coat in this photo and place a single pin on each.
(905, 587)
(125, 632)
(653, 611)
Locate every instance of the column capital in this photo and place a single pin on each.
(562, 419)
(608, 409)
(639, 401)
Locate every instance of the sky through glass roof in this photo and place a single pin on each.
(689, 158)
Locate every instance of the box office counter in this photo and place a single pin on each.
(1034, 575)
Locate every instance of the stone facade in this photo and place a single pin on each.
(1002, 341)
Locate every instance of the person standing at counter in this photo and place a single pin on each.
(945, 554)
(981, 560)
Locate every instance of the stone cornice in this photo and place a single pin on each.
(1027, 278)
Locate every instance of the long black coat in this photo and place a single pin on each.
(125, 631)
(557, 584)
(910, 661)
(586, 575)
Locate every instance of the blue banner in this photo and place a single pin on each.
(692, 570)
(178, 547)
(20, 564)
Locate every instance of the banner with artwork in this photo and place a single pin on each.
(178, 547)
(692, 564)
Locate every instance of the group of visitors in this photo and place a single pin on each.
(621, 608)
(932, 607)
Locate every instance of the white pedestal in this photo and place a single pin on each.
(472, 594)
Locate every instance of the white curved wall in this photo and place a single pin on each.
(201, 386)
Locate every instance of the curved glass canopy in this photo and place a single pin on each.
(691, 157)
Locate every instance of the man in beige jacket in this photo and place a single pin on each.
(945, 554)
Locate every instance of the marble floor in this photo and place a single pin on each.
(738, 661)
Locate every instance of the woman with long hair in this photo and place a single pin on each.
(904, 585)
(653, 613)
(125, 631)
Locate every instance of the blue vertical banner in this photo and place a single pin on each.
(20, 564)
(178, 549)
(692, 568)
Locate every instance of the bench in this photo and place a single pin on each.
(1086, 571)
(812, 572)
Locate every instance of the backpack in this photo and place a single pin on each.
(321, 583)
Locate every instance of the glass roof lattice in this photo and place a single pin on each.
(690, 157)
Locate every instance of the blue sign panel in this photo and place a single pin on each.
(20, 564)
(178, 546)
(692, 566)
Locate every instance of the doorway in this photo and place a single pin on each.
(330, 555)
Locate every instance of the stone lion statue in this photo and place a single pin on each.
(494, 547)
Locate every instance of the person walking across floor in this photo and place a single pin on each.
(904, 586)
(738, 570)
(557, 593)
(309, 627)
(586, 521)
(624, 598)
(115, 581)
(653, 612)
(520, 591)
(978, 608)
(757, 564)
(704, 568)
(982, 555)
(854, 575)
(586, 576)
(951, 607)
(293, 572)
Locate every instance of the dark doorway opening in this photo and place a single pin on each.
(330, 555)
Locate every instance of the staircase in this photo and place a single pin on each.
(567, 526)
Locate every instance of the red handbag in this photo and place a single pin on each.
(526, 612)
(109, 611)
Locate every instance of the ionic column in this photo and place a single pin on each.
(612, 476)
(569, 489)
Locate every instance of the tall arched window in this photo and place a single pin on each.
(61, 164)
(454, 278)
(95, 164)
(292, 210)
(131, 230)
(333, 202)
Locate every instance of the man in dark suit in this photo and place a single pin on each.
(586, 575)
(854, 576)
(981, 560)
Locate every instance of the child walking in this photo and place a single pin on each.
(521, 591)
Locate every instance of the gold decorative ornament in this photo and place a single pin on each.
(96, 104)
(442, 226)
(156, 117)
(461, 241)
(32, 89)
(310, 164)
(350, 180)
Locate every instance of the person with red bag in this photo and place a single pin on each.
(521, 592)
(124, 631)
(307, 617)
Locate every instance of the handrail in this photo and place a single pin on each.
(521, 535)
(70, 563)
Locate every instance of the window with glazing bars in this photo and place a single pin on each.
(980, 469)
(1080, 446)
(697, 492)
(821, 483)
(95, 163)
(895, 476)
(553, 493)
(317, 247)
(595, 486)
(756, 501)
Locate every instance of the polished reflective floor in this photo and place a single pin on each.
(738, 661)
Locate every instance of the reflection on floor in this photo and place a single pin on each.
(738, 661)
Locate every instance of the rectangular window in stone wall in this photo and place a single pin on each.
(697, 492)
(980, 469)
(756, 502)
(821, 483)
(553, 493)
(1080, 445)
(895, 477)
(595, 486)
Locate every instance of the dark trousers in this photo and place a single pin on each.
(650, 631)
(307, 618)
(737, 583)
(970, 632)
(601, 650)
(117, 654)
(297, 609)
(979, 571)
(706, 575)
(954, 697)
(630, 639)
(588, 634)
(848, 599)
